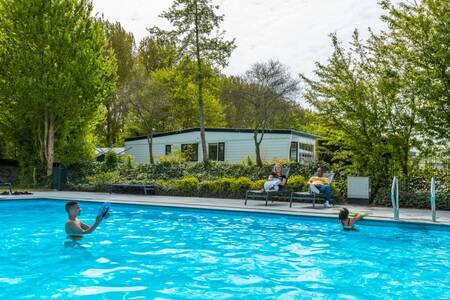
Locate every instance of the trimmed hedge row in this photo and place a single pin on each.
(225, 187)
(413, 199)
(167, 170)
(223, 180)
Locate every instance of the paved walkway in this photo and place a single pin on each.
(373, 213)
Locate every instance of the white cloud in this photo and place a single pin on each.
(292, 31)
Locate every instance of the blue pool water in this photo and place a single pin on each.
(163, 253)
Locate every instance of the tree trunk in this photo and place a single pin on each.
(49, 141)
(202, 121)
(108, 124)
(405, 162)
(200, 87)
(150, 146)
(257, 149)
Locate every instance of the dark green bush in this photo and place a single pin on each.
(412, 199)
(111, 160)
(297, 183)
(220, 179)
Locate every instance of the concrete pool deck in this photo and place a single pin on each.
(302, 209)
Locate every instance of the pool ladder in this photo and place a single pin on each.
(394, 198)
(433, 199)
(395, 202)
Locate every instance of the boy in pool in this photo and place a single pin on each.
(75, 229)
(347, 222)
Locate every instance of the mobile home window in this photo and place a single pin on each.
(191, 151)
(168, 149)
(306, 153)
(293, 154)
(216, 151)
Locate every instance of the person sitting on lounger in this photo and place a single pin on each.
(75, 229)
(276, 180)
(323, 185)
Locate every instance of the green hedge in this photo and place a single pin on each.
(224, 180)
(225, 187)
(203, 171)
(413, 199)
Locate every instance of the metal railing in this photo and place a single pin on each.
(394, 198)
(433, 199)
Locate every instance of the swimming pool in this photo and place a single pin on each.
(144, 252)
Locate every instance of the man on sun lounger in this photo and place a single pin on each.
(323, 185)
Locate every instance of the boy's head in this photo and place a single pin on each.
(72, 208)
(343, 214)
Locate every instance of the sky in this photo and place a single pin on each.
(295, 32)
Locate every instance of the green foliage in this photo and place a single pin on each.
(54, 73)
(225, 187)
(419, 39)
(222, 180)
(260, 98)
(175, 157)
(104, 178)
(110, 129)
(381, 97)
(157, 53)
(413, 199)
(198, 38)
(415, 192)
(257, 184)
(111, 160)
(186, 186)
(248, 161)
(296, 183)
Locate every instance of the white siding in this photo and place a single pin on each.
(238, 145)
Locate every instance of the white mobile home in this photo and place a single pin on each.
(226, 144)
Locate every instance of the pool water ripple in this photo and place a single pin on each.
(165, 253)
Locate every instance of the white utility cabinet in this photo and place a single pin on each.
(358, 188)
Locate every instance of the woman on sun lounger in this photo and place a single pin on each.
(276, 180)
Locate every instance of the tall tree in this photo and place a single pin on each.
(121, 44)
(264, 95)
(197, 35)
(149, 100)
(156, 53)
(181, 109)
(369, 107)
(419, 37)
(54, 73)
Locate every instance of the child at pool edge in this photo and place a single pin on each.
(75, 229)
(347, 222)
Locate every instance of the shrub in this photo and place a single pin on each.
(111, 160)
(103, 178)
(221, 179)
(225, 187)
(176, 156)
(296, 183)
(187, 186)
(257, 184)
(412, 199)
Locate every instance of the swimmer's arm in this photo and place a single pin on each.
(355, 218)
(84, 226)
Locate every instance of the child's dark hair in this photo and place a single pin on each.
(343, 214)
(70, 204)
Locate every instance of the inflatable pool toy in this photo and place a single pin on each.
(103, 211)
(352, 214)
